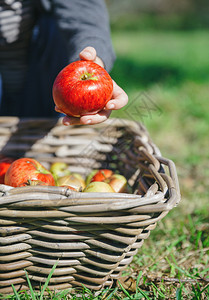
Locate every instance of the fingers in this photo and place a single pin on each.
(88, 53)
(71, 121)
(119, 98)
(99, 62)
(88, 119)
(100, 117)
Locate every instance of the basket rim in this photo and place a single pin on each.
(166, 183)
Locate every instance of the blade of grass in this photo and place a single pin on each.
(60, 295)
(154, 292)
(124, 290)
(179, 293)
(205, 271)
(162, 286)
(137, 283)
(48, 279)
(27, 297)
(15, 293)
(86, 291)
(144, 294)
(198, 239)
(185, 272)
(111, 294)
(30, 286)
(172, 266)
(195, 292)
(159, 292)
(174, 243)
(205, 288)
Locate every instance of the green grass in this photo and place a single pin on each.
(166, 76)
(140, 21)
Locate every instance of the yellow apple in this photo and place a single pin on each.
(70, 180)
(80, 178)
(117, 182)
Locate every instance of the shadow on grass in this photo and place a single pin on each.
(130, 73)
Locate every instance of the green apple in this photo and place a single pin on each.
(98, 187)
(90, 176)
(59, 169)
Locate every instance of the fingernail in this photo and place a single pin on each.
(87, 55)
(88, 122)
(111, 106)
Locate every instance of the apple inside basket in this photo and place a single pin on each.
(91, 236)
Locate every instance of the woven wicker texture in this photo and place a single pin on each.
(94, 235)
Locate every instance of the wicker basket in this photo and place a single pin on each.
(94, 235)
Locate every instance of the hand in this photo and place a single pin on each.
(119, 97)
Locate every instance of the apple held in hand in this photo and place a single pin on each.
(81, 88)
(24, 169)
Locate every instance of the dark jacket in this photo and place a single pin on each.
(63, 29)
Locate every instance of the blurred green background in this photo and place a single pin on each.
(162, 50)
(162, 63)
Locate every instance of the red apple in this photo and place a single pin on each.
(102, 175)
(81, 88)
(32, 183)
(98, 187)
(24, 169)
(5, 162)
(69, 187)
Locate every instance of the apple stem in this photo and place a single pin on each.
(84, 77)
(88, 76)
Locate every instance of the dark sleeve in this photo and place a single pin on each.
(84, 23)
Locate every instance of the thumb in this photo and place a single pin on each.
(88, 53)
